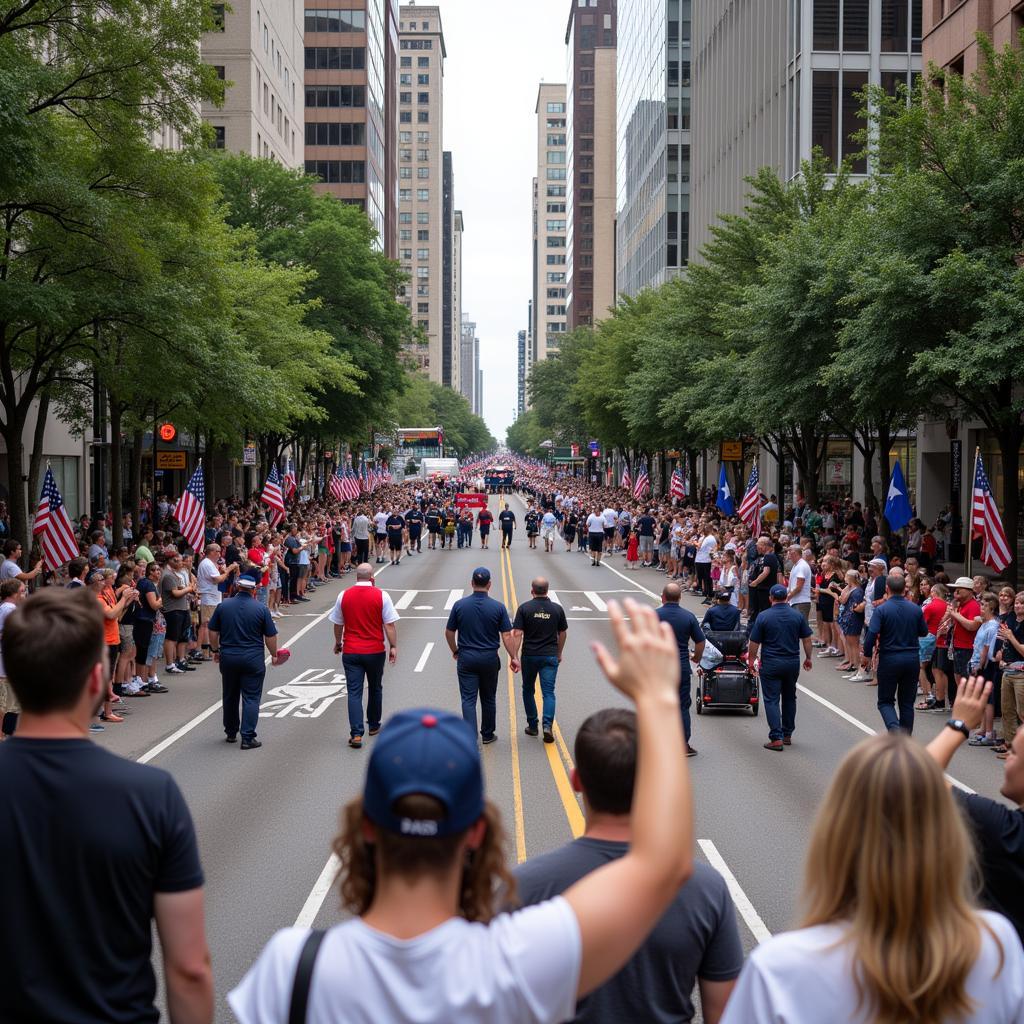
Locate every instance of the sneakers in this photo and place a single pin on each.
(979, 739)
(174, 669)
(860, 677)
(185, 666)
(96, 727)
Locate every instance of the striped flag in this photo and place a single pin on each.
(986, 523)
(750, 506)
(191, 511)
(335, 486)
(677, 486)
(364, 481)
(289, 484)
(627, 479)
(53, 526)
(643, 481)
(351, 484)
(273, 497)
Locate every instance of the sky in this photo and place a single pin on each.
(498, 54)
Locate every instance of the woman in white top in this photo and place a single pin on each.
(891, 933)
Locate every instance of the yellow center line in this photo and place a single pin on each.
(559, 771)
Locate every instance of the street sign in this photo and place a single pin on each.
(473, 500)
(170, 460)
(732, 451)
(249, 455)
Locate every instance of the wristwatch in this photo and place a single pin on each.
(960, 725)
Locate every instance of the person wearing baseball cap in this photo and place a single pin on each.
(421, 855)
(777, 635)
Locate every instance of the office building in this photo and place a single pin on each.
(653, 142)
(550, 253)
(522, 373)
(350, 107)
(256, 47)
(950, 28)
(421, 176)
(590, 141)
(450, 343)
(468, 355)
(775, 79)
(458, 226)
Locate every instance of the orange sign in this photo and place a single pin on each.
(168, 432)
(732, 451)
(170, 460)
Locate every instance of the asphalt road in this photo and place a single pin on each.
(265, 818)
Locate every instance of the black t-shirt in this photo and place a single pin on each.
(395, 525)
(772, 562)
(433, 520)
(696, 937)
(414, 518)
(999, 838)
(143, 611)
(541, 620)
(86, 840)
(645, 526)
(507, 518)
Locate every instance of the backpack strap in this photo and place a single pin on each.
(304, 977)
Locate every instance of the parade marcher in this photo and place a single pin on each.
(540, 628)
(477, 626)
(507, 521)
(361, 536)
(363, 618)
(530, 521)
(595, 535)
(433, 520)
(380, 534)
(548, 525)
(484, 519)
(897, 626)
(777, 635)
(239, 630)
(685, 628)
(695, 942)
(414, 521)
(78, 947)
(395, 526)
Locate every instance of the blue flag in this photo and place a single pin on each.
(897, 505)
(724, 500)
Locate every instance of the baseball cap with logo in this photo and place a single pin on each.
(430, 752)
(481, 576)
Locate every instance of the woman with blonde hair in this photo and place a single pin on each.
(891, 933)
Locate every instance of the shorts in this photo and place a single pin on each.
(674, 550)
(345, 547)
(302, 571)
(646, 543)
(663, 550)
(827, 611)
(609, 533)
(156, 646)
(804, 609)
(485, 529)
(961, 660)
(548, 533)
(380, 537)
(8, 698)
(596, 541)
(395, 543)
(177, 626)
(206, 613)
(925, 648)
(113, 650)
(941, 660)
(124, 630)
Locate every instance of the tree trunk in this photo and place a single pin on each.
(116, 494)
(35, 462)
(135, 480)
(13, 433)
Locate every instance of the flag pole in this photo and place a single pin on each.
(967, 521)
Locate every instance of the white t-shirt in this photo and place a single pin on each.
(522, 967)
(380, 523)
(801, 571)
(595, 523)
(6, 607)
(706, 548)
(611, 517)
(806, 977)
(206, 575)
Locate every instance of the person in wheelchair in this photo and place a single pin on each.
(722, 616)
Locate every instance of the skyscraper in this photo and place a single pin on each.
(351, 82)
(468, 356)
(653, 146)
(450, 337)
(455, 340)
(550, 189)
(590, 138)
(522, 339)
(421, 175)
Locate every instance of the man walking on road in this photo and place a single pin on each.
(685, 628)
(477, 626)
(239, 630)
(507, 521)
(897, 626)
(363, 616)
(361, 535)
(540, 627)
(778, 634)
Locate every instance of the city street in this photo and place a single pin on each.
(265, 818)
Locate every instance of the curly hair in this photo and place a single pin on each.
(484, 875)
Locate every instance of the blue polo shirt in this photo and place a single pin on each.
(242, 623)
(724, 618)
(896, 627)
(479, 621)
(685, 627)
(779, 630)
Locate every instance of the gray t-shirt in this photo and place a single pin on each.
(360, 528)
(697, 937)
(169, 581)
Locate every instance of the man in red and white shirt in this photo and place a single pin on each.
(363, 618)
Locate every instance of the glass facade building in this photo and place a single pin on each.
(653, 143)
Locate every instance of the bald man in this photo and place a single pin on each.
(686, 628)
(540, 628)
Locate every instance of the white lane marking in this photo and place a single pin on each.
(638, 586)
(752, 918)
(453, 596)
(405, 600)
(855, 722)
(317, 895)
(591, 596)
(554, 597)
(203, 715)
(423, 657)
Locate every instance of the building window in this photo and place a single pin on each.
(555, 278)
(556, 140)
(556, 225)
(217, 17)
(854, 83)
(423, 307)
(423, 117)
(422, 217)
(556, 190)
(555, 261)
(335, 21)
(423, 97)
(218, 70)
(855, 26)
(895, 26)
(556, 207)
(218, 137)
(405, 218)
(825, 113)
(556, 174)
(423, 236)
(424, 325)
(826, 24)
(335, 58)
(345, 172)
(423, 272)
(422, 172)
(405, 80)
(335, 134)
(423, 254)
(554, 242)
(423, 290)
(407, 62)
(423, 79)
(423, 195)
(405, 137)
(405, 97)
(405, 234)
(423, 136)
(417, 44)
(405, 195)
(405, 254)
(406, 155)
(405, 172)
(422, 154)
(336, 96)
(556, 108)
(405, 117)
(423, 62)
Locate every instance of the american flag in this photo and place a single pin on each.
(54, 524)
(627, 479)
(985, 522)
(643, 482)
(272, 496)
(289, 483)
(750, 507)
(677, 486)
(351, 483)
(191, 511)
(336, 487)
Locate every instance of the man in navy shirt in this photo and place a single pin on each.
(477, 626)
(896, 626)
(684, 626)
(777, 634)
(722, 617)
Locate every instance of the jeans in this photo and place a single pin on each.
(897, 684)
(241, 680)
(778, 684)
(703, 570)
(464, 536)
(506, 538)
(478, 674)
(261, 594)
(685, 699)
(547, 668)
(360, 667)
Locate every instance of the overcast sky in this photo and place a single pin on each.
(497, 56)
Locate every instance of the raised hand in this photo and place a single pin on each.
(971, 701)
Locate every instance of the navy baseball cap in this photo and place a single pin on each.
(481, 576)
(430, 752)
(778, 592)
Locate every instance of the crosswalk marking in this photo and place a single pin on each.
(554, 597)
(453, 596)
(597, 602)
(405, 600)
